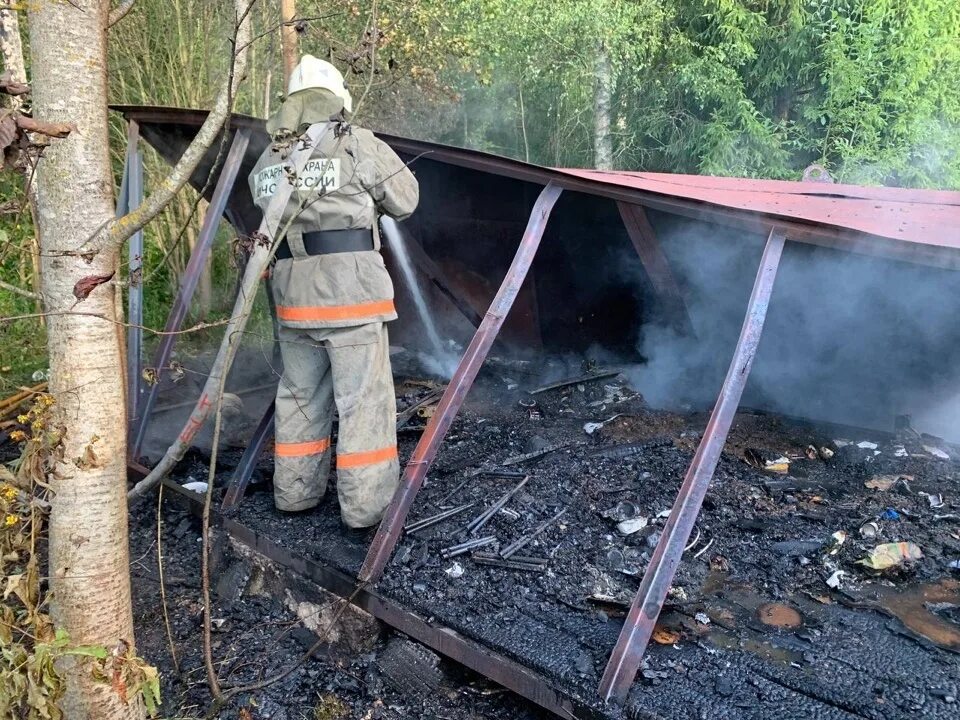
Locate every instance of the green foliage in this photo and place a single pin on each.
(21, 342)
(756, 88)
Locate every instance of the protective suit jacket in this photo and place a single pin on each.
(331, 307)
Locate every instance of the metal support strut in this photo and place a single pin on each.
(248, 461)
(655, 263)
(131, 195)
(638, 627)
(191, 278)
(423, 455)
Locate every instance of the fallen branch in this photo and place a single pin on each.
(268, 236)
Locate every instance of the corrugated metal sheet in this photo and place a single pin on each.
(921, 216)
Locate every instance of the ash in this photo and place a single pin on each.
(774, 611)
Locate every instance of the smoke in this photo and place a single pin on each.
(849, 339)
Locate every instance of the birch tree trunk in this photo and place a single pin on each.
(11, 49)
(603, 93)
(81, 243)
(89, 556)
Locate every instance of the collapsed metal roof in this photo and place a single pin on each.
(471, 218)
(915, 225)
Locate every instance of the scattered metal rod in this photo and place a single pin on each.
(467, 546)
(517, 459)
(592, 377)
(483, 518)
(494, 473)
(434, 519)
(702, 550)
(453, 492)
(517, 562)
(512, 548)
(407, 415)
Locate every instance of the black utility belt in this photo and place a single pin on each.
(330, 241)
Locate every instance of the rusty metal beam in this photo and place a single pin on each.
(248, 461)
(655, 263)
(423, 456)
(639, 624)
(190, 279)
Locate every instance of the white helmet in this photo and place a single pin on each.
(312, 72)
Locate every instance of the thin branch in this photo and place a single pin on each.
(9, 86)
(375, 40)
(195, 328)
(163, 587)
(20, 291)
(120, 12)
(273, 28)
(212, 679)
(322, 639)
(123, 228)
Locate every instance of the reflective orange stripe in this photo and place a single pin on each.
(336, 312)
(371, 457)
(310, 447)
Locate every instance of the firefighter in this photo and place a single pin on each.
(333, 299)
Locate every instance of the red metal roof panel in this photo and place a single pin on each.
(920, 216)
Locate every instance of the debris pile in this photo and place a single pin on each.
(531, 534)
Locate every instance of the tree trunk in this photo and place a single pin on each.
(11, 50)
(89, 555)
(289, 41)
(603, 92)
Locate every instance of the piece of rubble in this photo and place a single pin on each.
(936, 452)
(826, 453)
(934, 499)
(623, 510)
(836, 579)
(455, 571)
(778, 465)
(869, 530)
(867, 445)
(629, 527)
(838, 538)
(887, 482)
(410, 667)
(702, 618)
(890, 555)
(665, 636)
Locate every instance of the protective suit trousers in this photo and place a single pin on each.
(349, 367)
